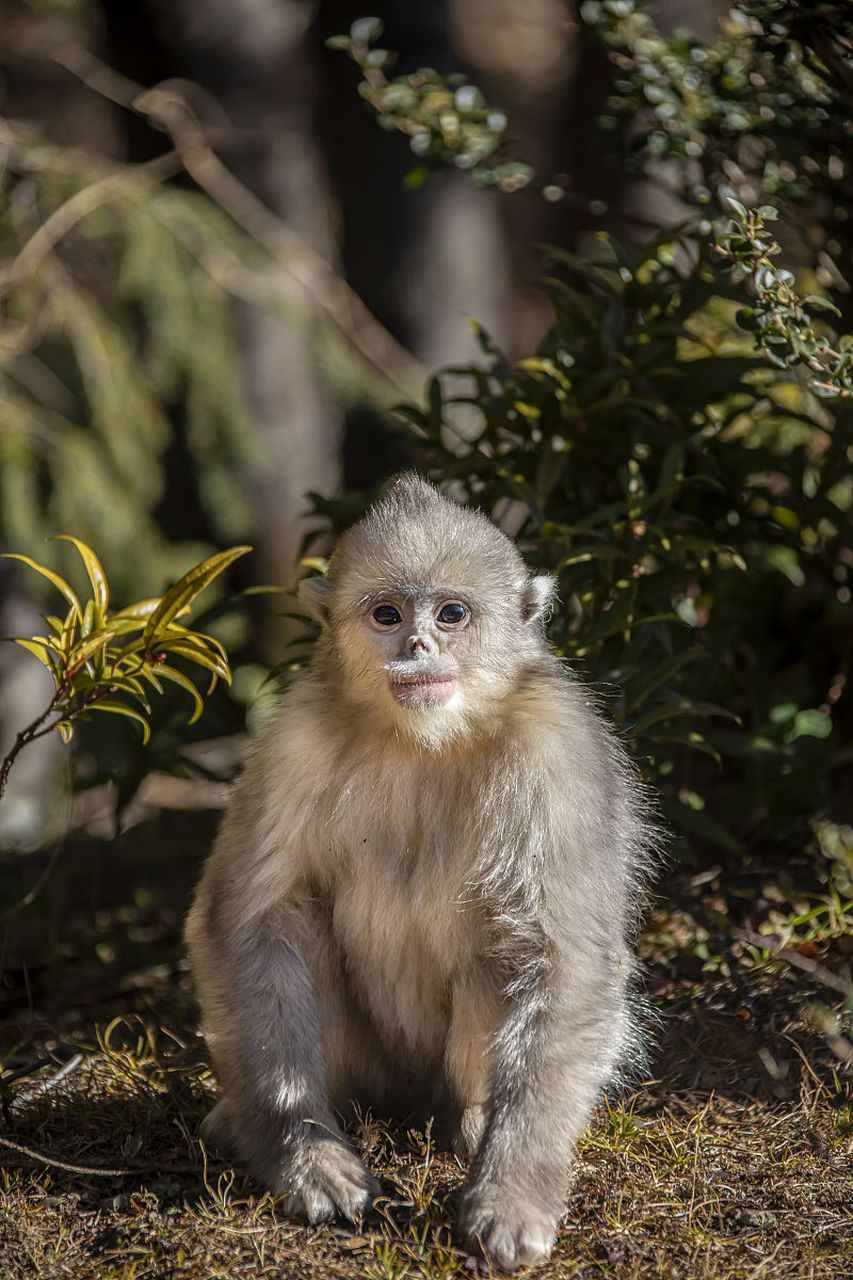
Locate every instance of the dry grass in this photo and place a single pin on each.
(734, 1163)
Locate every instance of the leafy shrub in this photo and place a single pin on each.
(689, 486)
(107, 660)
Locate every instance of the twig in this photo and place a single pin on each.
(24, 738)
(78, 206)
(818, 971)
(47, 1086)
(168, 109)
(41, 1157)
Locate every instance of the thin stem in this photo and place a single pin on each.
(38, 728)
(26, 736)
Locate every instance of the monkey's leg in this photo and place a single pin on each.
(265, 1025)
(550, 1057)
(476, 1011)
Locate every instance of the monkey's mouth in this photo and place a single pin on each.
(423, 690)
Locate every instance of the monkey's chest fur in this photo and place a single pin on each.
(401, 848)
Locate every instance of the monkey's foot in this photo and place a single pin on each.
(507, 1229)
(325, 1180)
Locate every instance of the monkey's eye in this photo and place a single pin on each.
(452, 614)
(385, 615)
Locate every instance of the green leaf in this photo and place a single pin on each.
(119, 709)
(65, 729)
(693, 741)
(819, 303)
(94, 569)
(678, 707)
(40, 648)
(184, 648)
(186, 589)
(140, 611)
(149, 675)
(810, 723)
(69, 628)
(60, 583)
(87, 648)
(178, 677)
(128, 684)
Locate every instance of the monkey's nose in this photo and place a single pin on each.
(419, 644)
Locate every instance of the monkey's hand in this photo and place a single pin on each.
(509, 1230)
(469, 1132)
(325, 1178)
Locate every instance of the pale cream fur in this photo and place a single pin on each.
(433, 896)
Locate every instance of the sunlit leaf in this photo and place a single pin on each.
(187, 588)
(184, 648)
(141, 610)
(41, 649)
(54, 578)
(119, 709)
(92, 644)
(178, 677)
(94, 569)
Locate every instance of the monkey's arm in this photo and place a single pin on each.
(257, 989)
(551, 1055)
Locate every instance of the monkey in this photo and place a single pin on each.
(428, 874)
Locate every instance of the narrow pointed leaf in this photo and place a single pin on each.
(87, 626)
(119, 709)
(41, 650)
(171, 673)
(207, 640)
(680, 707)
(204, 658)
(94, 569)
(60, 583)
(152, 679)
(91, 645)
(69, 630)
(142, 609)
(187, 588)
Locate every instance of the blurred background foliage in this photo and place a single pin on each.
(214, 290)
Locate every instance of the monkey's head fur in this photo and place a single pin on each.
(429, 615)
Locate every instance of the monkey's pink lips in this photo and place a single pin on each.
(424, 690)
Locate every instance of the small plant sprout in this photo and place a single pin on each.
(105, 661)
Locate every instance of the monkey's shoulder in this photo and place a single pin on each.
(552, 704)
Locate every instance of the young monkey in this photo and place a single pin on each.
(426, 878)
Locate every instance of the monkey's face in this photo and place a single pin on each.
(416, 640)
(429, 660)
(429, 616)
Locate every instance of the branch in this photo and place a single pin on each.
(25, 737)
(168, 109)
(78, 206)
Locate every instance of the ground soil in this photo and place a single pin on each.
(733, 1161)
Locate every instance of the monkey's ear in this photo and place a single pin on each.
(536, 596)
(314, 593)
